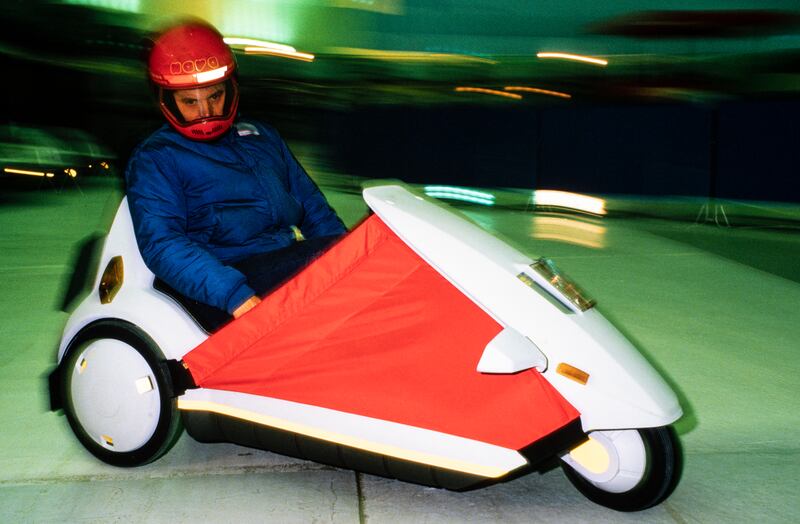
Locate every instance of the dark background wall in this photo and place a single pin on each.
(479, 146)
(739, 149)
(759, 151)
(742, 150)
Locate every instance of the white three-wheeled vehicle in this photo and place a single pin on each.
(419, 347)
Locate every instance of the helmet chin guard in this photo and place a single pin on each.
(188, 56)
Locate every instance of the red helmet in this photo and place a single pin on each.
(189, 56)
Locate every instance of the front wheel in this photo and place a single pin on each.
(117, 395)
(626, 470)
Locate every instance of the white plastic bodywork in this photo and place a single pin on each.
(137, 302)
(626, 458)
(115, 395)
(510, 352)
(623, 390)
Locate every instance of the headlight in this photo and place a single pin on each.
(558, 285)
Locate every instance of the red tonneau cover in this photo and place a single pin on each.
(371, 329)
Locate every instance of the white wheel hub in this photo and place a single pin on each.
(115, 395)
(614, 461)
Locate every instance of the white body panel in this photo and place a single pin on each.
(115, 395)
(137, 302)
(623, 390)
(366, 433)
(627, 460)
(510, 352)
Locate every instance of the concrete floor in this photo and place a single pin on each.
(716, 309)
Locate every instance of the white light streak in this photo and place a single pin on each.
(575, 58)
(295, 55)
(547, 197)
(259, 43)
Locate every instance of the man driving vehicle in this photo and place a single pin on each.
(223, 212)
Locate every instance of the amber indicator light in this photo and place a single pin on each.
(111, 281)
(573, 373)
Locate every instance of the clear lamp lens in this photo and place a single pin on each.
(566, 287)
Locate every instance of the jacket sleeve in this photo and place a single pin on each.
(158, 210)
(319, 218)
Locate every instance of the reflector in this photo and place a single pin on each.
(111, 282)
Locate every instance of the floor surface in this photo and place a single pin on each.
(716, 309)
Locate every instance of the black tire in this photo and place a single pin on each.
(664, 464)
(168, 427)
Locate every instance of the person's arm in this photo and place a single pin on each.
(319, 218)
(158, 210)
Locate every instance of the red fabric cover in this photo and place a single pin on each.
(369, 328)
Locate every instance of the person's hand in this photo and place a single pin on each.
(248, 304)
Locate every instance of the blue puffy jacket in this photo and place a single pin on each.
(199, 205)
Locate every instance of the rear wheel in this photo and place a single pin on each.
(117, 396)
(626, 470)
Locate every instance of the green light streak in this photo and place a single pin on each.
(132, 6)
(458, 193)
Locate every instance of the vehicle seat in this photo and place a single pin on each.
(209, 318)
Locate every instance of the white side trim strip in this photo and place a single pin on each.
(370, 434)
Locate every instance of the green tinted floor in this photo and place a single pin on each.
(716, 309)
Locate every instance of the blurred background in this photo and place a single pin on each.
(655, 120)
(693, 98)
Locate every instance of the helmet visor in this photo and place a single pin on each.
(198, 105)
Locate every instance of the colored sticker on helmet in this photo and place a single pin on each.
(194, 66)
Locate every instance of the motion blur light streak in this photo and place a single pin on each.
(463, 198)
(26, 172)
(387, 7)
(537, 90)
(576, 58)
(458, 193)
(488, 92)
(295, 55)
(238, 41)
(133, 6)
(254, 46)
(564, 199)
(461, 190)
(569, 230)
(410, 56)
